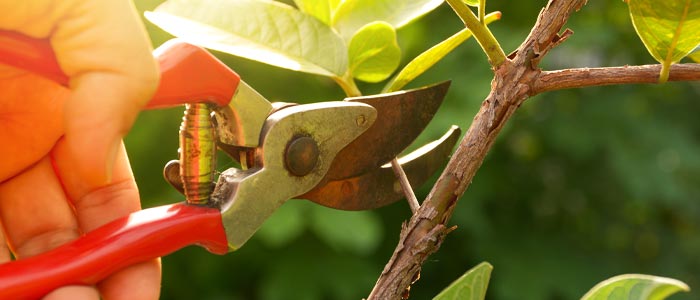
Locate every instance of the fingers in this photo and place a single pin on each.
(104, 49)
(111, 80)
(37, 217)
(4, 250)
(30, 119)
(96, 205)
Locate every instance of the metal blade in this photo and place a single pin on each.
(401, 117)
(380, 187)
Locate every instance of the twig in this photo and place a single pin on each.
(481, 33)
(585, 77)
(405, 185)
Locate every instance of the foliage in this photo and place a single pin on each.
(470, 286)
(635, 286)
(427, 59)
(581, 184)
(374, 52)
(307, 40)
(268, 31)
(669, 29)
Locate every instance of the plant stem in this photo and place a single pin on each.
(665, 69)
(586, 77)
(482, 11)
(482, 34)
(347, 83)
(405, 185)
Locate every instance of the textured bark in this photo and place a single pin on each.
(584, 77)
(514, 81)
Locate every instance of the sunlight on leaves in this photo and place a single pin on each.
(374, 52)
(321, 9)
(669, 29)
(470, 286)
(430, 57)
(266, 31)
(635, 287)
(354, 14)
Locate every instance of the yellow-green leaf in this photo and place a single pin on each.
(471, 286)
(266, 31)
(321, 9)
(471, 2)
(635, 287)
(351, 15)
(374, 52)
(669, 29)
(695, 55)
(430, 57)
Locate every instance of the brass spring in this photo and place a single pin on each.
(197, 153)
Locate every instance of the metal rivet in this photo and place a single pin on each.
(361, 120)
(301, 156)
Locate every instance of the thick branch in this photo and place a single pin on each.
(585, 77)
(515, 80)
(425, 231)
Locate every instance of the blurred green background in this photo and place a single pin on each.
(580, 186)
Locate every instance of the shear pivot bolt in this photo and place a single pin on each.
(301, 156)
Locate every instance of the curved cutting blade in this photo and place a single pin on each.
(380, 187)
(401, 117)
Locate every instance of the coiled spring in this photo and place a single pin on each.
(197, 153)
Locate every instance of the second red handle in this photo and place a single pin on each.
(139, 237)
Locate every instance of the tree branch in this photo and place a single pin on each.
(585, 77)
(515, 80)
(425, 231)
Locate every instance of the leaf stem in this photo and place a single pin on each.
(665, 70)
(482, 11)
(347, 83)
(482, 34)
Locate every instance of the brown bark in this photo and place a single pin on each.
(584, 77)
(514, 81)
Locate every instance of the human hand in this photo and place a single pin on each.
(63, 168)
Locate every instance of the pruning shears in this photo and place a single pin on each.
(332, 153)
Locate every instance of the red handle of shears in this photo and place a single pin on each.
(188, 73)
(139, 237)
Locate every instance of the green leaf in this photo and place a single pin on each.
(353, 14)
(266, 31)
(669, 29)
(695, 55)
(374, 52)
(356, 231)
(471, 2)
(321, 9)
(430, 57)
(635, 287)
(470, 286)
